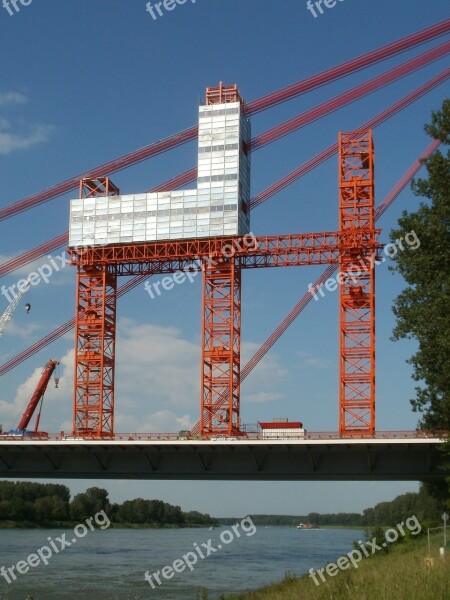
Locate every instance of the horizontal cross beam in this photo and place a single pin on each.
(249, 251)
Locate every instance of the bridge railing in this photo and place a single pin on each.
(246, 436)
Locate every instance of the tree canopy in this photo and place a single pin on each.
(29, 504)
(422, 308)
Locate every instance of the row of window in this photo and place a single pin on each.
(160, 224)
(205, 198)
(230, 177)
(222, 111)
(156, 213)
(156, 226)
(108, 237)
(220, 147)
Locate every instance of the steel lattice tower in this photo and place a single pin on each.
(224, 176)
(357, 289)
(95, 336)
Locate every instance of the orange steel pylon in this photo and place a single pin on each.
(95, 332)
(354, 246)
(221, 335)
(357, 278)
(222, 94)
(101, 186)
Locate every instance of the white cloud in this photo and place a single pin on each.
(24, 330)
(15, 134)
(264, 397)
(264, 382)
(157, 383)
(268, 371)
(157, 363)
(12, 98)
(155, 369)
(318, 363)
(314, 361)
(11, 412)
(59, 274)
(163, 421)
(21, 140)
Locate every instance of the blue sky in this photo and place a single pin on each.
(86, 82)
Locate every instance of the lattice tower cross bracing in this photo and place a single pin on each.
(164, 232)
(357, 292)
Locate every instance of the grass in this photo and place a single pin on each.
(399, 575)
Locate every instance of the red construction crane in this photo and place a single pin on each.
(36, 398)
(354, 243)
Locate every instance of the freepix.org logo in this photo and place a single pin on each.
(366, 549)
(156, 9)
(390, 250)
(248, 242)
(316, 7)
(202, 551)
(13, 6)
(43, 555)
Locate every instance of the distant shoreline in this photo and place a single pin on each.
(69, 525)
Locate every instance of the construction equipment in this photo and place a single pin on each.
(35, 400)
(95, 320)
(6, 316)
(161, 247)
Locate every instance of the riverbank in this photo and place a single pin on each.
(402, 574)
(72, 524)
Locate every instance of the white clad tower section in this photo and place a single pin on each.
(223, 184)
(219, 206)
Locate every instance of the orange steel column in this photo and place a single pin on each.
(95, 328)
(221, 340)
(95, 333)
(357, 279)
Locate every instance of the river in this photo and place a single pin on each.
(110, 564)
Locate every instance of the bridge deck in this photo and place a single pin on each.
(308, 459)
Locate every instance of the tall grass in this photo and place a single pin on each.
(399, 575)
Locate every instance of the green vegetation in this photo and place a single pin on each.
(335, 520)
(29, 503)
(422, 309)
(426, 508)
(402, 574)
(24, 504)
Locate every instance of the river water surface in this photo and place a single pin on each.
(110, 564)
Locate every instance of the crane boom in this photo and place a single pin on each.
(38, 394)
(6, 316)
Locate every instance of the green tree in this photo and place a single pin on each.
(89, 504)
(50, 508)
(422, 309)
(173, 515)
